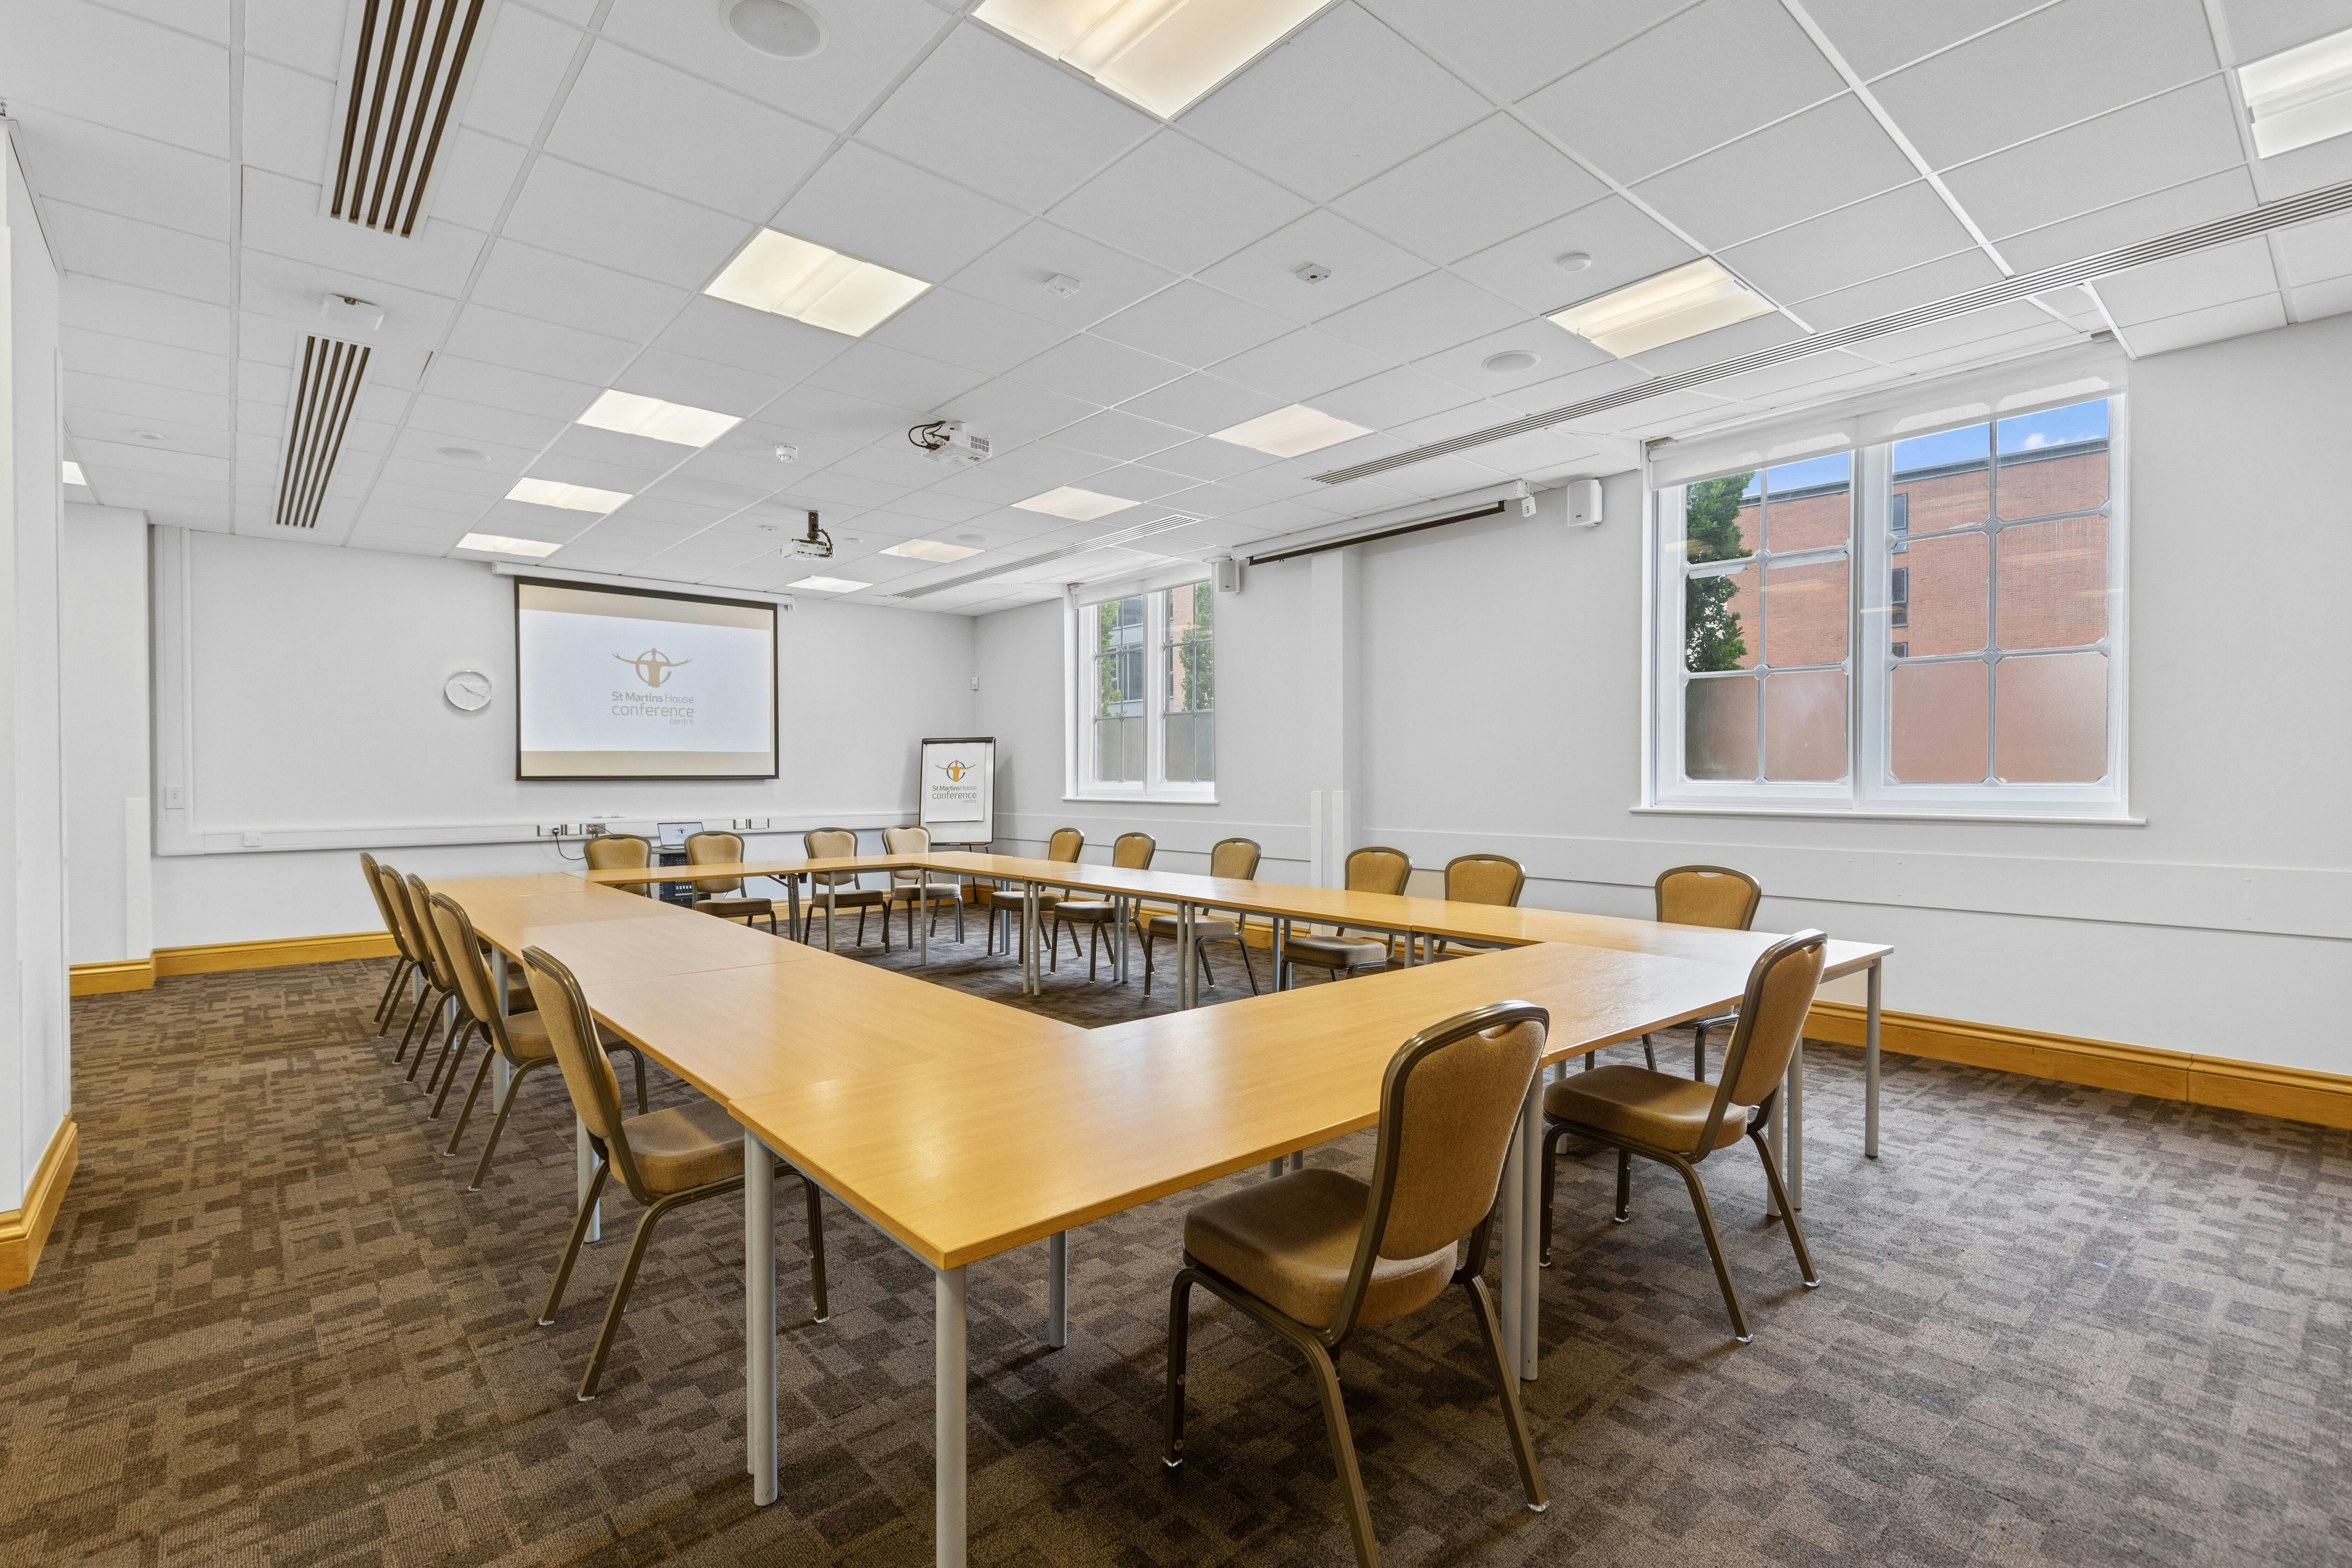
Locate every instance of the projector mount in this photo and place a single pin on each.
(817, 545)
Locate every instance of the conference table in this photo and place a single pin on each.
(897, 1097)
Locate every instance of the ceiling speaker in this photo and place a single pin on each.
(781, 28)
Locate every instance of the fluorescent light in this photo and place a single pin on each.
(1161, 54)
(1698, 296)
(572, 497)
(73, 474)
(679, 423)
(929, 550)
(788, 276)
(829, 585)
(498, 544)
(1289, 432)
(1078, 505)
(2300, 95)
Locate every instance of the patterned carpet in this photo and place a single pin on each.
(2058, 1326)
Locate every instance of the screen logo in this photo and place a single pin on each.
(653, 666)
(954, 770)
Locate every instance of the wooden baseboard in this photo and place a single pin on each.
(23, 1231)
(121, 974)
(213, 956)
(2292, 1094)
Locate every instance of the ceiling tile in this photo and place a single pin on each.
(1117, 433)
(530, 281)
(578, 212)
(1473, 190)
(1900, 291)
(1097, 369)
(1024, 131)
(2315, 252)
(2185, 205)
(148, 80)
(1565, 392)
(656, 126)
(1174, 202)
(894, 377)
(2314, 301)
(1192, 324)
(282, 216)
(1206, 459)
(519, 74)
(1876, 38)
(288, 122)
(2261, 28)
(835, 415)
(1511, 48)
(504, 386)
(2148, 146)
(1830, 156)
(124, 250)
(468, 422)
(730, 334)
(2059, 65)
(1390, 398)
(1137, 482)
(2193, 282)
(94, 166)
(1203, 402)
(1885, 234)
(1360, 264)
(106, 307)
(1624, 243)
(2211, 325)
(1013, 274)
(1556, 351)
(135, 358)
(472, 178)
(500, 337)
(698, 383)
(1723, 344)
(946, 324)
(1009, 412)
(293, 32)
(1735, 64)
(1296, 367)
(1961, 339)
(867, 47)
(1301, 114)
(1421, 316)
(877, 208)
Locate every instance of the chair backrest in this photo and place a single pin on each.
(715, 849)
(374, 875)
(1485, 879)
(411, 894)
(1708, 895)
(454, 931)
(1133, 852)
(622, 852)
(587, 1070)
(1449, 1105)
(1234, 859)
(914, 840)
(1374, 869)
(1771, 1024)
(1064, 844)
(831, 843)
(392, 894)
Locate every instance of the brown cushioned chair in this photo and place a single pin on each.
(668, 1158)
(519, 1036)
(916, 885)
(840, 843)
(1232, 860)
(723, 896)
(1129, 852)
(1064, 844)
(442, 960)
(1482, 878)
(439, 987)
(387, 1007)
(1714, 895)
(622, 851)
(1316, 1255)
(1679, 1124)
(1371, 868)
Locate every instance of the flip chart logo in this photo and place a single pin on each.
(956, 771)
(653, 666)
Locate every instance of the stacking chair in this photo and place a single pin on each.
(438, 988)
(1235, 860)
(1129, 852)
(624, 852)
(1370, 870)
(1064, 845)
(838, 843)
(1713, 895)
(911, 886)
(668, 1158)
(387, 1007)
(1678, 1122)
(1316, 1255)
(712, 893)
(1482, 879)
(520, 1037)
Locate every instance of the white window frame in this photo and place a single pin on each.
(1078, 669)
(1869, 789)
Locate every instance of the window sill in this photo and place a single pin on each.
(1140, 799)
(2043, 818)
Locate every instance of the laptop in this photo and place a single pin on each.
(674, 834)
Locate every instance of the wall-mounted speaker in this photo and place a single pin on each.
(1584, 503)
(1227, 573)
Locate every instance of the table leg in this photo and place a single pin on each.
(504, 1072)
(760, 1315)
(828, 917)
(1299, 1159)
(1033, 976)
(1057, 1288)
(1530, 1246)
(947, 1418)
(584, 1167)
(1870, 1066)
(1795, 1176)
(1281, 948)
(1187, 988)
(1125, 911)
(1513, 1237)
(792, 904)
(924, 914)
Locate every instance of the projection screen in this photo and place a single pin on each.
(632, 684)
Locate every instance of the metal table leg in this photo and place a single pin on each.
(828, 917)
(1187, 988)
(1123, 911)
(923, 914)
(760, 1315)
(947, 1418)
(792, 905)
(1057, 1288)
(584, 1167)
(1870, 1066)
(1281, 952)
(1530, 1240)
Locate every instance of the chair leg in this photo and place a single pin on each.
(1247, 967)
(1698, 1055)
(1201, 951)
(1706, 1213)
(1343, 1452)
(448, 1078)
(816, 1248)
(1094, 945)
(1552, 1136)
(1506, 1385)
(1624, 1185)
(1780, 1201)
(416, 1015)
(1649, 1053)
(498, 1123)
(959, 920)
(1147, 963)
(383, 1014)
(627, 1283)
(572, 1247)
(1179, 1338)
(466, 1111)
(639, 1057)
(431, 1010)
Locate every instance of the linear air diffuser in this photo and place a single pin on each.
(324, 391)
(397, 102)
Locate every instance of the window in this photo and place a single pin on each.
(1146, 695)
(1930, 624)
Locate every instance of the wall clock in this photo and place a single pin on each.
(469, 691)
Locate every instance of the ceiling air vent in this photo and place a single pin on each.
(329, 385)
(397, 102)
(1124, 536)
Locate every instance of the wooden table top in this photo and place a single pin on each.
(612, 935)
(1491, 923)
(717, 871)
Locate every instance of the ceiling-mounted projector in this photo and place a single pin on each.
(817, 545)
(949, 441)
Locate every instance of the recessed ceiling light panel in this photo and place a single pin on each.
(1698, 296)
(679, 423)
(1159, 55)
(72, 471)
(781, 29)
(929, 550)
(500, 544)
(1290, 432)
(572, 497)
(2300, 95)
(1078, 505)
(829, 585)
(787, 276)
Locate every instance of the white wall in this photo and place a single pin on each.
(36, 1066)
(106, 734)
(299, 700)
(1499, 708)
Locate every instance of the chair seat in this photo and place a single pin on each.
(850, 897)
(942, 892)
(685, 1147)
(1649, 1107)
(1090, 909)
(734, 908)
(1336, 952)
(527, 1037)
(1009, 897)
(1202, 930)
(1291, 1242)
